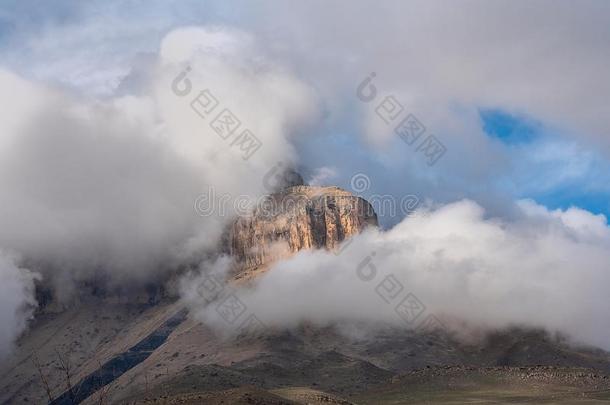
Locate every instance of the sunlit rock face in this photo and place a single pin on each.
(295, 218)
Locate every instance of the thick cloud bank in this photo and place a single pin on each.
(544, 269)
(107, 187)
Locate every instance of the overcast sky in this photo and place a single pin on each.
(518, 93)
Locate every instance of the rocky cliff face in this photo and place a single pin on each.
(298, 217)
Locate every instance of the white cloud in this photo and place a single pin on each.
(108, 187)
(544, 60)
(544, 269)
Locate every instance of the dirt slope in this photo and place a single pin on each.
(194, 359)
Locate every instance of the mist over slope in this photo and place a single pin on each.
(17, 301)
(546, 269)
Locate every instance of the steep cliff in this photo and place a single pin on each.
(298, 217)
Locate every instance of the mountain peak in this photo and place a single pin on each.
(297, 217)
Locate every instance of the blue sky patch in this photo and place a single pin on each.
(509, 128)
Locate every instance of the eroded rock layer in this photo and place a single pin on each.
(298, 217)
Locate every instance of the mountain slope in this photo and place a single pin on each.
(147, 354)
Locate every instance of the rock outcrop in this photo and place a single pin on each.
(296, 218)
